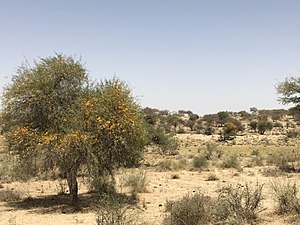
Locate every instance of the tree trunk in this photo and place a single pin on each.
(73, 187)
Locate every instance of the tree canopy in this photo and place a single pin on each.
(53, 117)
(289, 91)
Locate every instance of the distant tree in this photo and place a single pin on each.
(254, 110)
(151, 116)
(245, 115)
(209, 130)
(173, 120)
(236, 122)
(210, 118)
(229, 131)
(253, 125)
(194, 117)
(223, 117)
(190, 123)
(264, 125)
(289, 91)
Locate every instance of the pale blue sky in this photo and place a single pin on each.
(205, 56)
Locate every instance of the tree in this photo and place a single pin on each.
(223, 117)
(290, 91)
(190, 123)
(53, 118)
(263, 125)
(229, 131)
(253, 125)
(116, 128)
(41, 119)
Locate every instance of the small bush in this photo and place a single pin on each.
(292, 134)
(10, 195)
(169, 146)
(211, 151)
(188, 210)
(113, 212)
(286, 196)
(238, 204)
(272, 172)
(136, 181)
(231, 161)
(175, 176)
(165, 164)
(257, 160)
(288, 162)
(212, 177)
(180, 164)
(200, 162)
(235, 205)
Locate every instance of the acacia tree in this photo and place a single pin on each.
(116, 129)
(290, 91)
(52, 118)
(41, 122)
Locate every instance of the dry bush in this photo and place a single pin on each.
(180, 164)
(165, 164)
(10, 195)
(199, 162)
(235, 205)
(112, 211)
(212, 177)
(272, 172)
(175, 176)
(286, 196)
(231, 161)
(238, 204)
(136, 181)
(188, 210)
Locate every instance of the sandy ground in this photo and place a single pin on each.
(44, 207)
(151, 205)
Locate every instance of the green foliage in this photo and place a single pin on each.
(223, 116)
(199, 162)
(115, 125)
(41, 114)
(173, 120)
(230, 161)
(190, 123)
(211, 150)
(253, 125)
(264, 125)
(151, 116)
(209, 130)
(53, 118)
(193, 116)
(289, 90)
(229, 131)
(167, 143)
(245, 115)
